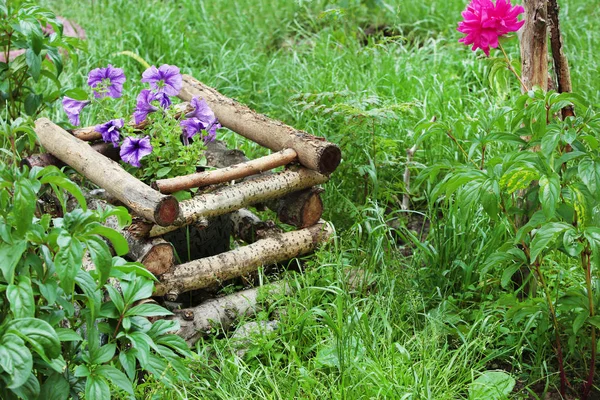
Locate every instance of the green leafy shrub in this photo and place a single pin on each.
(59, 335)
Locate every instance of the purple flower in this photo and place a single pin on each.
(107, 81)
(212, 132)
(191, 127)
(73, 107)
(111, 131)
(202, 111)
(144, 106)
(134, 149)
(163, 99)
(166, 79)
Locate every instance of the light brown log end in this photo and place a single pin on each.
(160, 259)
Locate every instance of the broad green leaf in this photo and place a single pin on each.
(589, 172)
(491, 385)
(30, 389)
(96, 388)
(67, 185)
(68, 335)
(116, 298)
(127, 360)
(117, 240)
(175, 342)
(163, 326)
(20, 296)
(100, 255)
(24, 203)
(34, 62)
(545, 236)
(148, 310)
(518, 178)
(39, 334)
(508, 273)
(138, 289)
(10, 254)
(117, 377)
(56, 387)
(77, 94)
(15, 359)
(68, 262)
(104, 354)
(549, 193)
(571, 243)
(549, 141)
(580, 320)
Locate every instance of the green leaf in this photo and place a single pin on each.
(518, 178)
(104, 354)
(139, 289)
(30, 389)
(39, 334)
(163, 326)
(20, 297)
(68, 335)
(116, 298)
(589, 172)
(77, 94)
(117, 377)
(117, 240)
(148, 310)
(491, 385)
(571, 243)
(508, 273)
(67, 185)
(127, 360)
(550, 141)
(15, 359)
(68, 262)
(549, 193)
(32, 103)
(56, 387)
(96, 388)
(580, 320)
(544, 236)
(24, 203)
(10, 254)
(34, 62)
(163, 172)
(175, 342)
(100, 255)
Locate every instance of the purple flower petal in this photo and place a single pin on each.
(202, 111)
(73, 108)
(165, 79)
(107, 81)
(163, 99)
(134, 149)
(191, 127)
(144, 106)
(212, 133)
(111, 131)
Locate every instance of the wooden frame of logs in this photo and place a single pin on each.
(234, 184)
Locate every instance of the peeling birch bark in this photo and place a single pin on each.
(106, 173)
(46, 159)
(313, 152)
(223, 175)
(204, 272)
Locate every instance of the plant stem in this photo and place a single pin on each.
(586, 261)
(461, 149)
(512, 69)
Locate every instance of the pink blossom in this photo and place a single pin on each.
(484, 22)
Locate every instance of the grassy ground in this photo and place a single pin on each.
(428, 325)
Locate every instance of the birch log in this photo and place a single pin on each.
(46, 159)
(223, 175)
(313, 152)
(222, 312)
(204, 272)
(249, 228)
(534, 44)
(106, 173)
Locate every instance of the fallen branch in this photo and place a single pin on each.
(46, 159)
(204, 272)
(313, 152)
(106, 173)
(228, 174)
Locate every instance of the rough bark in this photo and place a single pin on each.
(106, 173)
(313, 152)
(250, 228)
(204, 272)
(227, 174)
(561, 64)
(221, 313)
(290, 208)
(534, 44)
(46, 159)
(301, 209)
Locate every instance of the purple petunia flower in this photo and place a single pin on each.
(107, 81)
(212, 132)
(202, 111)
(165, 79)
(73, 107)
(111, 131)
(163, 99)
(191, 127)
(144, 106)
(134, 149)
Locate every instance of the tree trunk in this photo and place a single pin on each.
(106, 173)
(313, 152)
(561, 65)
(205, 272)
(534, 44)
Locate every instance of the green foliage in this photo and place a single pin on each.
(58, 335)
(30, 82)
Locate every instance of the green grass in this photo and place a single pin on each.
(430, 324)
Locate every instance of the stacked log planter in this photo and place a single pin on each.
(199, 229)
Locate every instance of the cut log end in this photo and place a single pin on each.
(167, 211)
(312, 211)
(160, 259)
(331, 156)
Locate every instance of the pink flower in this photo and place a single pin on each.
(485, 22)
